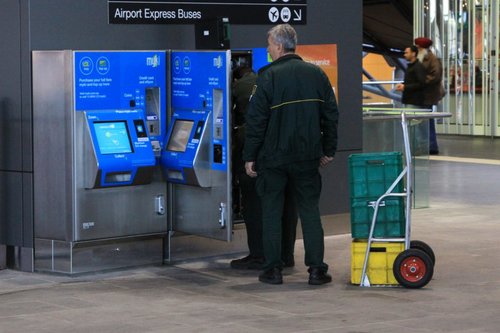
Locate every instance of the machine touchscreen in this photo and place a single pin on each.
(113, 137)
(180, 135)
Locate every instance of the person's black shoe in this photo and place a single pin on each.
(433, 152)
(271, 276)
(317, 276)
(248, 262)
(288, 263)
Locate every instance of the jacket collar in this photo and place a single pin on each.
(284, 58)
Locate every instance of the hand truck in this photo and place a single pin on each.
(414, 267)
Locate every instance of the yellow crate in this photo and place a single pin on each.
(382, 256)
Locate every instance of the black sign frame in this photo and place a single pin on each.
(293, 12)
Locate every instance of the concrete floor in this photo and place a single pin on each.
(207, 296)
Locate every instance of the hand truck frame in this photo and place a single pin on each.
(414, 267)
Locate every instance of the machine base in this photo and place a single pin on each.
(91, 256)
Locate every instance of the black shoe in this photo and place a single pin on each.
(288, 263)
(433, 152)
(248, 262)
(271, 276)
(318, 276)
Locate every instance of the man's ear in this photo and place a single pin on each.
(281, 49)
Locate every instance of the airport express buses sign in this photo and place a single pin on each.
(189, 12)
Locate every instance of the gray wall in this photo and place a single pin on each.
(15, 129)
(63, 24)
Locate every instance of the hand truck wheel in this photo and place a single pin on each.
(413, 268)
(416, 244)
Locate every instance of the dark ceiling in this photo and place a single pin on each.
(387, 25)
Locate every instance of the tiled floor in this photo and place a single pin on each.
(471, 147)
(461, 225)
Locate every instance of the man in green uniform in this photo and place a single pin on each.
(291, 130)
(243, 82)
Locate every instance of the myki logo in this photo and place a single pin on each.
(153, 61)
(218, 62)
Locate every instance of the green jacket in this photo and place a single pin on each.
(292, 114)
(242, 89)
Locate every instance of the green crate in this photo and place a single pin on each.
(390, 217)
(371, 175)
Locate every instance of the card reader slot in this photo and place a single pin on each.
(218, 153)
(175, 175)
(118, 177)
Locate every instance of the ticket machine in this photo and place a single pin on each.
(99, 126)
(196, 155)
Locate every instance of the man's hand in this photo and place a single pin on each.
(400, 87)
(323, 161)
(250, 169)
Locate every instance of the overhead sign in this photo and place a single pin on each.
(188, 12)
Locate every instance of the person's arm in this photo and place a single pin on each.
(329, 123)
(256, 122)
(250, 169)
(324, 160)
(435, 72)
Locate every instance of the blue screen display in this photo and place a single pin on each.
(180, 135)
(112, 137)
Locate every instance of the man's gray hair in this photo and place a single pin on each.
(284, 34)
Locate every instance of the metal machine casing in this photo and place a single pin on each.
(82, 222)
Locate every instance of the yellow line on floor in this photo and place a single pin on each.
(464, 160)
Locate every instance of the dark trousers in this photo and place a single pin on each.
(252, 215)
(305, 180)
(433, 144)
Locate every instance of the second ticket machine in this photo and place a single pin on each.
(196, 157)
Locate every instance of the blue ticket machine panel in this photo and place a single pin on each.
(186, 156)
(122, 148)
(124, 80)
(200, 81)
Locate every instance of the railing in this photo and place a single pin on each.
(384, 92)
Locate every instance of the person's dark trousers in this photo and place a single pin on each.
(306, 181)
(252, 215)
(289, 226)
(433, 144)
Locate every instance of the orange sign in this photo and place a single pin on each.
(324, 56)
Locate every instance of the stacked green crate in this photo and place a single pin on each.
(371, 175)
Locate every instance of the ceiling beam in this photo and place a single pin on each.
(406, 12)
(382, 48)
